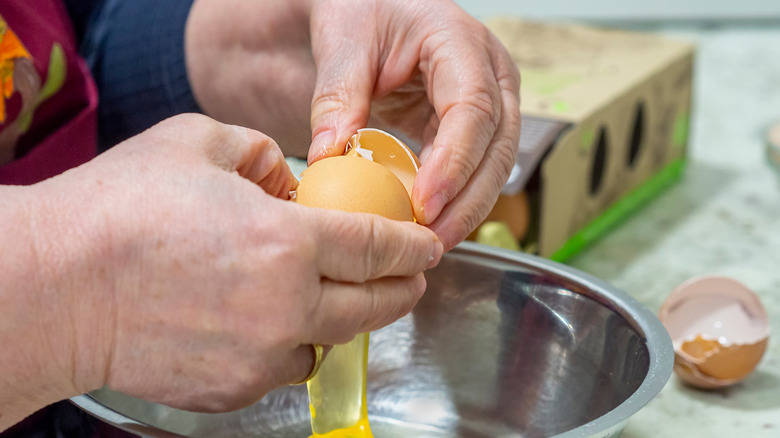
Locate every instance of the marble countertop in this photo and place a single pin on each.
(722, 218)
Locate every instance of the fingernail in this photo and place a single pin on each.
(321, 145)
(436, 254)
(433, 206)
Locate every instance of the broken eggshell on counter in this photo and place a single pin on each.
(719, 330)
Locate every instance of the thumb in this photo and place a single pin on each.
(345, 53)
(251, 154)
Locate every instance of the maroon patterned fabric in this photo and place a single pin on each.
(62, 134)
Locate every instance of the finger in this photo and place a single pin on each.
(299, 364)
(252, 154)
(257, 158)
(346, 309)
(464, 92)
(356, 247)
(346, 74)
(476, 199)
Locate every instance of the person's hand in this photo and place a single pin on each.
(438, 75)
(426, 68)
(174, 269)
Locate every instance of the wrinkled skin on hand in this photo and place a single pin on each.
(177, 271)
(425, 68)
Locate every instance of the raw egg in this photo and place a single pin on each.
(719, 330)
(354, 184)
(376, 175)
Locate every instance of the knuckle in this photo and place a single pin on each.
(303, 248)
(509, 78)
(330, 98)
(343, 335)
(483, 102)
(463, 165)
(198, 123)
(266, 143)
(483, 34)
(376, 309)
(474, 217)
(386, 310)
(507, 71)
(373, 242)
(515, 78)
(505, 160)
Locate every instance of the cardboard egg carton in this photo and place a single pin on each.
(605, 127)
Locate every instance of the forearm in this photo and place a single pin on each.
(25, 380)
(250, 64)
(38, 359)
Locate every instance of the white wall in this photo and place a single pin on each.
(627, 9)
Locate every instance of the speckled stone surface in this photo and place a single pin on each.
(723, 218)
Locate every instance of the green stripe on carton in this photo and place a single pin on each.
(681, 126)
(621, 210)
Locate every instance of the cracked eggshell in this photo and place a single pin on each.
(375, 175)
(719, 330)
(356, 185)
(388, 151)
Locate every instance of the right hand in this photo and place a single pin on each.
(180, 274)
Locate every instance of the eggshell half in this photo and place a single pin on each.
(388, 151)
(719, 330)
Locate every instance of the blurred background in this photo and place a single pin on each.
(632, 10)
(723, 216)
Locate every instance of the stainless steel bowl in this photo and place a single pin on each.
(502, 345)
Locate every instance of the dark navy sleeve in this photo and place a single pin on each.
(135, 50)
(80, 12)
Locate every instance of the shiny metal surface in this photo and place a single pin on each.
(502, 345)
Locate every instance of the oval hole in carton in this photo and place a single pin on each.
(636, 141)
(599, 161)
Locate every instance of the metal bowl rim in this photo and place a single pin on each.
(657, 340)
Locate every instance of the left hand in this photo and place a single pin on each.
(439, 76)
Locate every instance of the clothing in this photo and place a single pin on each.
(49, 100)
(135, 50)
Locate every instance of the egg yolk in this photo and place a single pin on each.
(359, 430)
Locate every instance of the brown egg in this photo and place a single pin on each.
(369, 178)
(354, 184)
(512, 210)
(719, 330)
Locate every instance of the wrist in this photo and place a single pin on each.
(48, 352)
(34, 373)
(75, 285)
